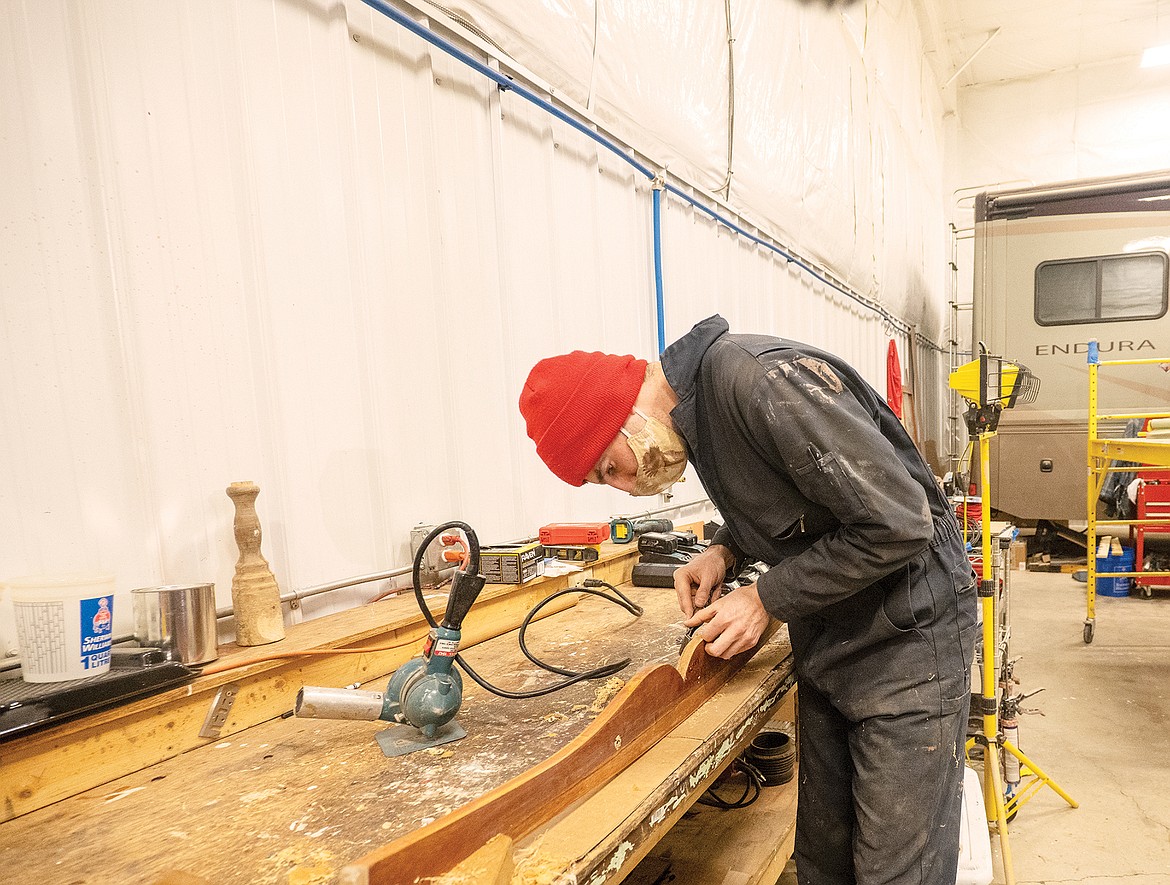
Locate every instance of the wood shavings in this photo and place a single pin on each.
(533, 868)
(310, 875)
(122, 794)
(260, 795)
(549, 875)
(312, 867)
(440, 752)
(555, 716)
(490, 865)
(606, 693)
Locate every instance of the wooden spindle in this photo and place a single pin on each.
(255, 594)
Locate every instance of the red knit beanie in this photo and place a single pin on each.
(575, 405)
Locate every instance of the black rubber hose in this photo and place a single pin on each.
(416, 570)
(773, 754)
(573, 678)
(751, 789)
(622, 600)
(473, 568)
(520, 695)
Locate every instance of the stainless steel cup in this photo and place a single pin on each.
(179, 619)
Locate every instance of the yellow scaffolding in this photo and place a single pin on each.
(1101, 453)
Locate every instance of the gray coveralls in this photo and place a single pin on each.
(814, 475)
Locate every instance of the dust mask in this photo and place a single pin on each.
(661, 455)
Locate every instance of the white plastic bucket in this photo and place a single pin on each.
(974, 842)
(64, 626)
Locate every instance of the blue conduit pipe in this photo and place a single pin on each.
(658, 299)
(507, 83)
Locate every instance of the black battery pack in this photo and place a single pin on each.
(658, 542)
(676, 559)
(653, 574)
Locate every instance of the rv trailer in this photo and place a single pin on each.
(1055, 267)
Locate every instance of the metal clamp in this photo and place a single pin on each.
(221, 706)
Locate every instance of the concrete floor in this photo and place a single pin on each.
(1100, 729)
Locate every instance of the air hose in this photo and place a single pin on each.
(472, 567)
(587, 587)
(751, 791)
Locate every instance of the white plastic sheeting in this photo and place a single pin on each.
(837, 135)
(289, 242)
(1088, 122)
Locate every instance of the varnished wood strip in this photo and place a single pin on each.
(603, 837)
(651, 704)
(613, 860)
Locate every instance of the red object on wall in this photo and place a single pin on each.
(894, 379)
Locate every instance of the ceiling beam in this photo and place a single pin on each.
(973, 56)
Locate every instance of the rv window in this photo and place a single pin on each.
(1107, 288)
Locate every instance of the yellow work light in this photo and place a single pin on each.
(991, 384)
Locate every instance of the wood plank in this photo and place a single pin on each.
(64, 760)
(650, 705)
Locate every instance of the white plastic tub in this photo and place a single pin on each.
(64, 626)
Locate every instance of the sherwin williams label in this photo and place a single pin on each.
(97, 631)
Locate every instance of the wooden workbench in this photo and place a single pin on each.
(63, 760)
(294, 800)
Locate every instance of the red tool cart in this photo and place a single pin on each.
(1153, 503)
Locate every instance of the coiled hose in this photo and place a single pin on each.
(472, 567)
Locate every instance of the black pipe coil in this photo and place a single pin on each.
(773, 754)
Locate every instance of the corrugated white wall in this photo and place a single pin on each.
(286, 241)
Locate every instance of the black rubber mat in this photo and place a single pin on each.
(134, 672)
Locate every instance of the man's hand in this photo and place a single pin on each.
(696, 581)
(732, 623)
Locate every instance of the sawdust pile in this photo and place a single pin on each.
(313, 867)
(496, 863)
(533, 868)
(547, 873)
(606, 693)
(490, 864)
